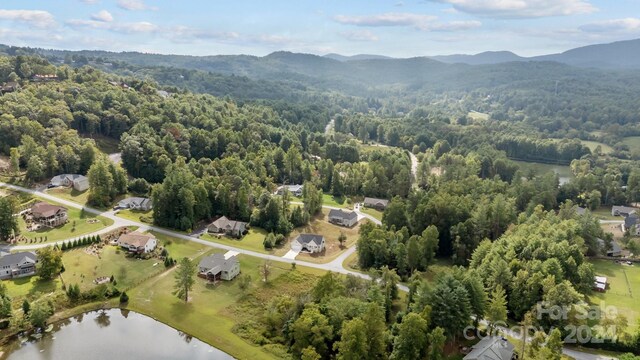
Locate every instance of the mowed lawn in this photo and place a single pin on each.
(30, 287)
(208, 314)
(179, 248)
(592, 145)
(633, 142)
(70, 194)
(623, 291)
(373, 212)
(83, 225)
(136, 215)
(320, 225)
(253, 240)
(329, 200)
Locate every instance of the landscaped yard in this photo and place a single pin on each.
(604, 213)
(329, 200)
(211, 312)
(320, 225)
(30, 287)
(70, 194)
(136, 215)
(179, 248)
(252, 241)
(373, 212)
(623, 290)
(84, 224)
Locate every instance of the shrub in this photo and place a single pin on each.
(124, 298)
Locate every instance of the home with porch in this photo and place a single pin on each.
(311, 243)
(219, 266)
(224, 225)
(78, 182)
(138, 243)
(48, 215)
(378, 204)
(18, 265)
(343, 218)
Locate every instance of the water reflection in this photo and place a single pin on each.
(113, 334)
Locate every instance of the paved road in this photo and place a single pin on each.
(335, 265)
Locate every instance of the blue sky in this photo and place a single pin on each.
(400, 28)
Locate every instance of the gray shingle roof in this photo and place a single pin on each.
(216, 263)
(339, 213)
(375, 202)
(630, 221)
(17, 258)
(306, 239)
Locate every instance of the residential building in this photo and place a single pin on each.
(49, 215)
(379, 204)
(312, 243)
(229, 227)
(78, 182)
(219, 266)
(296, 190)
(135, 203)
(137, 242)
(9, 87)
(491, 348)
(622, 210)
(17, 265)
(600, 283)
(44, 77)
(632, 224)
(343, 218)
(614, 251)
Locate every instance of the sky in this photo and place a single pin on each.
(398, 28)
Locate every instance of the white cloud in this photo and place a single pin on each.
(134, 5)
(521, 8)
(102, 15)
(417, 21)
(37, 18)
(388, 19)
(626, 25)
(363, 35)
(90, 2)
(127, 28)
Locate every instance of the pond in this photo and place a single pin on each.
(111, 334)
(563, 171)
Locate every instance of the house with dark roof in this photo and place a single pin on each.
(614, 251)
(343, 218)
(135, 203)
(491, 348)
(229, 227)
(219, 266)
(137, 242)
(17, 265)
(632, 224)
(622, 210)
(49, 215)
(78, 182)
(312, 243)
(379, 204)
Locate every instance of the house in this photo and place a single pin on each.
(17, 265)
(614, 251)
(78, 182)
(379, 204)
(632, 224)
(137, 242)
(9, 87)
(49, 215)
(296, 190)
(343, 218)
(135, 203)
(312, 243)
(491, 348)
(44, 77)
(219, 266)
(622, 210)
(229, 227)
(600, 283)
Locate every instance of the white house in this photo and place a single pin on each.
(296, 190)
(343, 218)
(78, 182)
(312, 243)
(137, 242)
(17, 265)
(622, 210)
(219, 266)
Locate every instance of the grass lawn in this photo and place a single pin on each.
(210, 315)
(604, 213)
(30, 287)
(371, 211)
(320, 225)
(136, 215)
(106, 144)
(330, 200)
(252, 241)
(592, 145)
(351, 262)
(478, 116)
(623, 291)
(70, 194)
(179, 248)
(633, 142)
(67, 230)
(563, 171)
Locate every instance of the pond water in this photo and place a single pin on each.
(112, 335)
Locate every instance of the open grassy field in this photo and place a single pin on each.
(373, 212)
(592, 145)
(82, 226)
(330, 200)
(70, 194)
(633, 142)
(252, 241)
(136, 215)
(623, 291)
(210, 315)
(179, 248)
(604, 213)
(320, 225)
(30, 287)
(478, 116)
